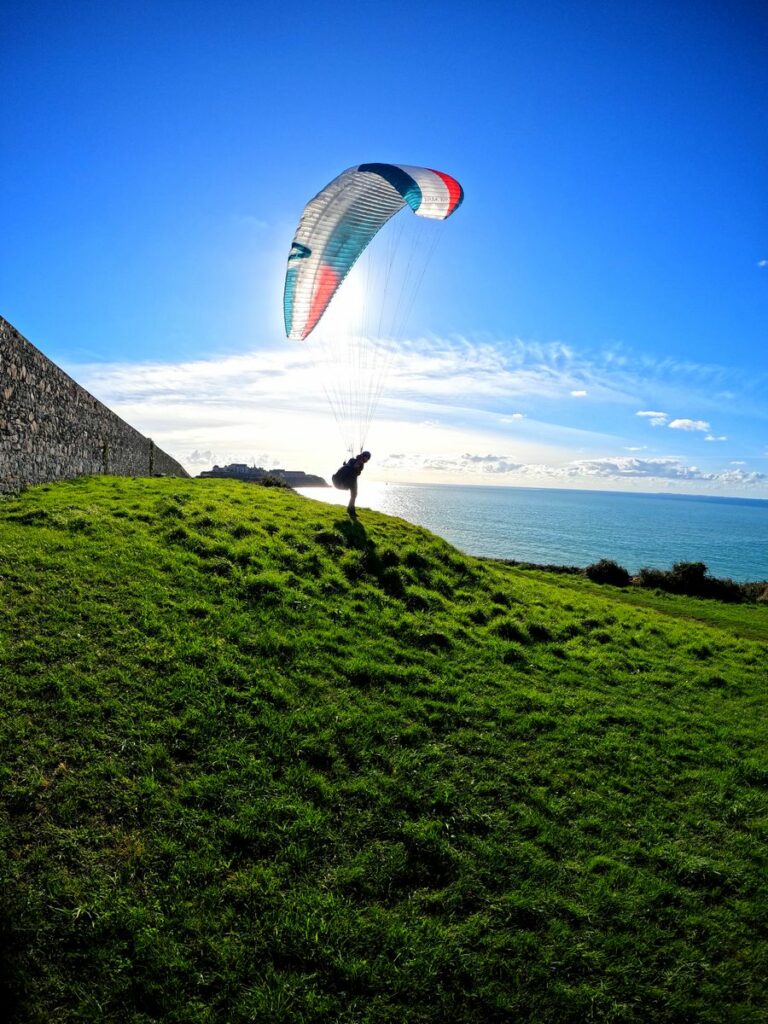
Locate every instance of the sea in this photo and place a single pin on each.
(576, 527)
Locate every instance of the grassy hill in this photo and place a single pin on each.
(263, 764)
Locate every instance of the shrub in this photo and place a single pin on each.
(726, 590)
(654, 579)
(689, 578)
(692, 580)
(607, 571)
(753, 592)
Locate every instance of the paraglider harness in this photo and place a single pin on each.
(345, 476)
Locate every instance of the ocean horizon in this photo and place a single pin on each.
(552, 526)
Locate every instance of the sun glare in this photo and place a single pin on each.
(347, 312)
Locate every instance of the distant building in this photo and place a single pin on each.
(240, 471)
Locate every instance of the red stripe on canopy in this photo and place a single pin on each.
(455, 191)
(327, 282)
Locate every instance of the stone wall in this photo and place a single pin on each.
(52, 429)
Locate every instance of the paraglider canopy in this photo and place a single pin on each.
(336, 227)
(341, 220)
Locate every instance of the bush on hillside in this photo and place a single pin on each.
(689, 578)
(726, 590)
(270, 480)
(653, 579)
(692, 580)
(608, 571)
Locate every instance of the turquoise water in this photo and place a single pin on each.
(563, 527)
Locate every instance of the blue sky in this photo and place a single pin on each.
(610, 260)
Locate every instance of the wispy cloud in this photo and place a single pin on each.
(458, 390)
(467, 464)
(711, 437)
(477, 464)
(490, 374)
(656, 419)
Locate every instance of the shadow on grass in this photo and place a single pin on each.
(12, 949)
(354, 534)
(383, 568)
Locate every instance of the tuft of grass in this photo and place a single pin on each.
(260, 763)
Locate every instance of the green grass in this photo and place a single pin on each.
(262, 764)
(745, 620)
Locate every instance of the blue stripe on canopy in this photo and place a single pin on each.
(398, 179)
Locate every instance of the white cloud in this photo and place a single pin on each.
(661, 419)
(657, 419)
(762, 263)
(689, 425)
(664, 467)
(455, 392)
(470, 373)
(274, 397)
(738, 476)
(711, 437)
(738, 462)
(499, 372)
(609, 470)
(635, 448)
(467, 463)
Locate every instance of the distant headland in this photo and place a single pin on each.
(240, 471)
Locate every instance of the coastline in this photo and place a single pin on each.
(559, 526)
